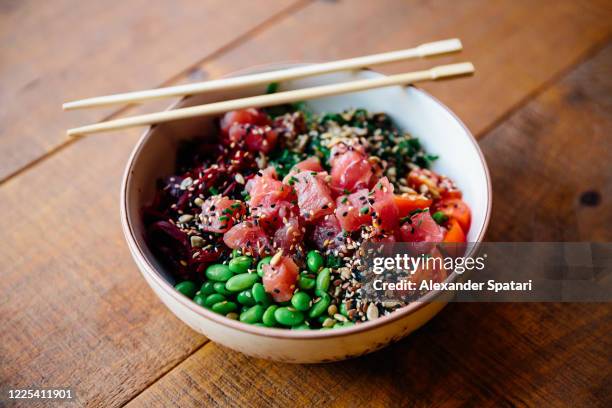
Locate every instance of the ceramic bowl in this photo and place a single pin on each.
(413, 110)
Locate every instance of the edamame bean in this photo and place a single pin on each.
(200, 298)
(260, 264)
(245, 298)
(241, 282)
(314, 261)
(220, 288)
(224, 307)
(187, 288)
(235, 253)
(288, 316)
(208, 288)
(320, 306)
(268, 317)
(219, 272)
(252, 315)
(240, 264)
(212, 299)
(322, 282)
(259, 294)
(301, 301)
(302, 326)
(306, 283)
(343, 310)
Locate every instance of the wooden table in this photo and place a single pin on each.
(75, 311)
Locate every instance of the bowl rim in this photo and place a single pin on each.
(146, 267)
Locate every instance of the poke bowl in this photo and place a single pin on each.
(243, 225)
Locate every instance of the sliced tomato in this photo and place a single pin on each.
(280, 279)
(244, 116)
(455, 208)
(455, 232)
(354, 210)
(408, 203)
(220, 213)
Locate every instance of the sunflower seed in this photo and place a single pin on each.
(185, 218)
(372, 312)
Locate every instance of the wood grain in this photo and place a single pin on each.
(51, 52)
(474, 354)
(75, 311)
(550, 158)
(516, 48)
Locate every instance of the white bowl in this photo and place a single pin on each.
(413, 110)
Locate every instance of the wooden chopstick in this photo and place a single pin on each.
(439, 72)
(421, 51)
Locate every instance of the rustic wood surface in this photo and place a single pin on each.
(74, 309)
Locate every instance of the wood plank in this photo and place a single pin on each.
(470, 354)
(515, 48)
(74, 309)
(60, 218)
(89, 321)
(475, 354)
(51, 52)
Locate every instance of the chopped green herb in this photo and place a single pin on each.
(440, 217)
(418, 210)
(272, 88)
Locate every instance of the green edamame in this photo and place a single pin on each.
(241, 282)
(252, 315)
(320, 306)
(268, 317)
(305, 282)
(301, 301)
(208, 288)
(260, 264)
(212, 299)
(314, 261)
(187, 288)
(200, 298)
(288, 316)
(322, 281)
(219, 272)
(224, 307)
(302, 326)
(259, 294)
(220, 288)
(240, 264)
(245, 298)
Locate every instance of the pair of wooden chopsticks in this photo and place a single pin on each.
(422, 51)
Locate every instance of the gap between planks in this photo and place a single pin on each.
(554, 79)
(264, 25)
